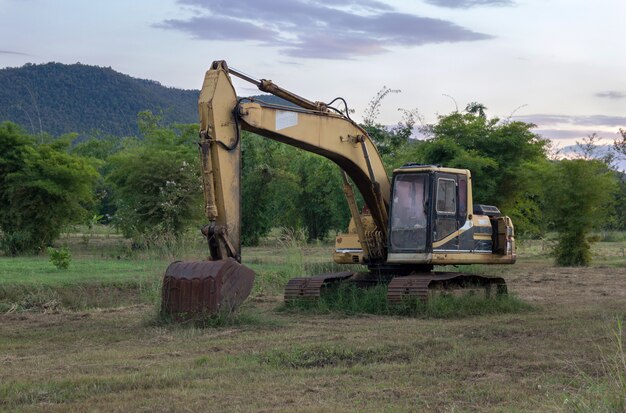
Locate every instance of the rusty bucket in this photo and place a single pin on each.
(205, 287)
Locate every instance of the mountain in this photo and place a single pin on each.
(600, 151)
(58, 98)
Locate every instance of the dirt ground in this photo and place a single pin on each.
(552, 358)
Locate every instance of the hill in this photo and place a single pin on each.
(58, 98)
(573, 152)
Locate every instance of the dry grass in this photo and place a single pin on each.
(117, 360)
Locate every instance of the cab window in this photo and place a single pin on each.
(446, 196)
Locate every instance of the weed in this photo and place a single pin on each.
(221, 319)
(325, 356)
(38, 300)
(607, 394)
(60, 258)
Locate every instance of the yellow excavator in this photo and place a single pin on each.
(423, 216)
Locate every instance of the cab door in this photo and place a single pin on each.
(445, 209)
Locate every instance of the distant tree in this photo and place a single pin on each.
(506, 160)
(321, 202)
(619, 145)
(42, 189)
(257, 174)
(99, 147)
(589, 149)
(388, 140)
(156, 183)
(579, 199)
(287, 187)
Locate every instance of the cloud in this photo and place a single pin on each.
(13, 53)
(611, 94)
(329, 29)
(466, 4)
(569, 134)
(588, 120)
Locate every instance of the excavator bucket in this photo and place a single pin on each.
(205, 287)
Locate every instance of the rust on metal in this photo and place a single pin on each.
(205, 287)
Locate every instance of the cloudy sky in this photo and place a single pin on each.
(558, 63)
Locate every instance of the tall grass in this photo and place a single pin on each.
(606, 393)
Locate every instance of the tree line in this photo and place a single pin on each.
(148, 185)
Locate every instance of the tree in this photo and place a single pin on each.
(268, 188)
(157, 182)
(99, 147)
(579, 199)
(387, 140)
(505, 159)
(321, 202)
(42, 189)
(283, 186)
(619, 145)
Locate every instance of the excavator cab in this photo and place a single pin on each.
(433, 221)
(429, 204)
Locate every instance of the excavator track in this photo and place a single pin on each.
(406, 287)
(419, 286)
(311, 287)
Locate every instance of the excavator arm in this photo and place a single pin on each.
(312, 126)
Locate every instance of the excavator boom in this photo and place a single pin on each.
(311, 126)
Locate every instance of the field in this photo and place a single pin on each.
(89, 339)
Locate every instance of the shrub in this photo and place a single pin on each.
(61, 258)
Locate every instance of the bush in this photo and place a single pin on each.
(157, 191)
(580, 196)
(61, 258)
(42, 189)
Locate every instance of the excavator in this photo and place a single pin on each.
(423, 216)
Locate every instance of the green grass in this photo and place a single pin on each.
(119, 359)
(243, 317)
(608, 392)
(39, 271)
(34, 284)
(319, 356)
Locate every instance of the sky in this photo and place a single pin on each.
(560, 64)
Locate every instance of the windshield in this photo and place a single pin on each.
(409, 212)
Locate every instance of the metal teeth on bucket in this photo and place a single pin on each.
(205, 287)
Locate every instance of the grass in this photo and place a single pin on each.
(607, 393)
(38, 271)
(87, 339)
(34, 284)
(243, 317)
(320, 356)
